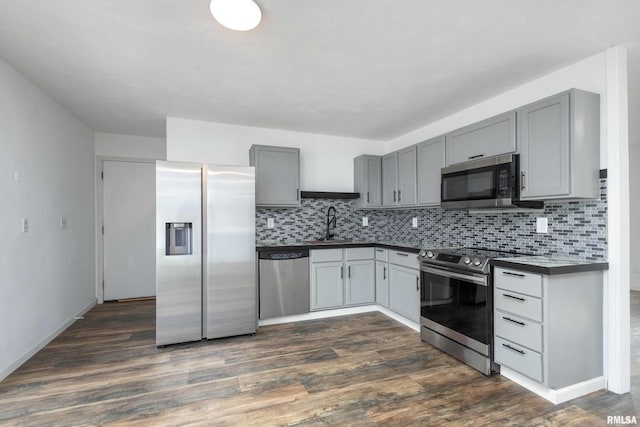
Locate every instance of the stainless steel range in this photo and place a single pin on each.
(456, 308)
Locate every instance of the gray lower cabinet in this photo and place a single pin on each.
(431, 159)
(367, 180)
(549, 327)
(382, 283)
(277, 175)
(327, 285)
(390, 179)
(341, 277)
(360, 282)
(559, 145)
(404, 291)
(490, 137)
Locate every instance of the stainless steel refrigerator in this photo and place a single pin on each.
(205, 252)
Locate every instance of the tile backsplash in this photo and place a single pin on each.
(576, 228)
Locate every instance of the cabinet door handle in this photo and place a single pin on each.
(367, 197)
(513, 297)
(384, 273)
(508, 319)
(399, 198)
(522, 176)
(349, 272)
(341, 273)
(401, 254)
(513, 349)
(380, 250)
(417, 284)
(507, 273)
(476, 156)
(394, 195)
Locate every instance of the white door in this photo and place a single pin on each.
(129, 192)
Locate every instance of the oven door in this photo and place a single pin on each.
(457, 304)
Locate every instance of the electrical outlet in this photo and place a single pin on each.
(271, 223)
(414, 222)
(63, 222)
(365, 221)
(542, 225)
(25, 225)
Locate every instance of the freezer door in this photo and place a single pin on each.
(178, 271)
(230, 290)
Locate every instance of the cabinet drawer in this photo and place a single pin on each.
(519, 330)
(520, 359)
(518, 281)
(520, 304)
(406, 259)
(382, 254)
(358, 253)
(325, 255)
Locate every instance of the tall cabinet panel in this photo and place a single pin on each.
(277, 175)
(430, 161)
(559, 141)
(390, 179)
(368, 180)
(407, 165)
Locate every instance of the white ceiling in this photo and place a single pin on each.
(363, 68)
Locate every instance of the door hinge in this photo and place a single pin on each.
(103, 229)
(101, 175)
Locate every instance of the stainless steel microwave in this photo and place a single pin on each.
(488, 183)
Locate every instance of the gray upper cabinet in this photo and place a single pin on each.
(367, 180)
(490, 137)
(399, 182)
(277, 175)
(407, 172)
(430, 160)
(390, 179)
(559, 139)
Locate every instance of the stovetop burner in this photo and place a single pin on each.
(472, 259)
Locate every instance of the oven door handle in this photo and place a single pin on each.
(468, 277)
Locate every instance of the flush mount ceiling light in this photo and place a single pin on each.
(238, 15)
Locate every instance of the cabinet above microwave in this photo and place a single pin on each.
(491, 137)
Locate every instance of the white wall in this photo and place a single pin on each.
(588, 74)
(47, 274)
(130, 146)
(326, 161)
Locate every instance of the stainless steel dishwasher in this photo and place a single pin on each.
(284, 283)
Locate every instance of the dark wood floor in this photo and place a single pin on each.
(356, 370)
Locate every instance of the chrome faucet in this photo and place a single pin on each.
(331, 219)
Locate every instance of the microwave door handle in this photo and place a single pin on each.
(452, 275)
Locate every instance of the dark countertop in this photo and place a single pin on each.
(413, 247)
(550, 265)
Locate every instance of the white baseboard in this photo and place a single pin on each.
(340, 312)
(31, 352)
(410, 323)
(554, 396)
(318, 315)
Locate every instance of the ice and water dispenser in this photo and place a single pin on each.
(178, 238)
